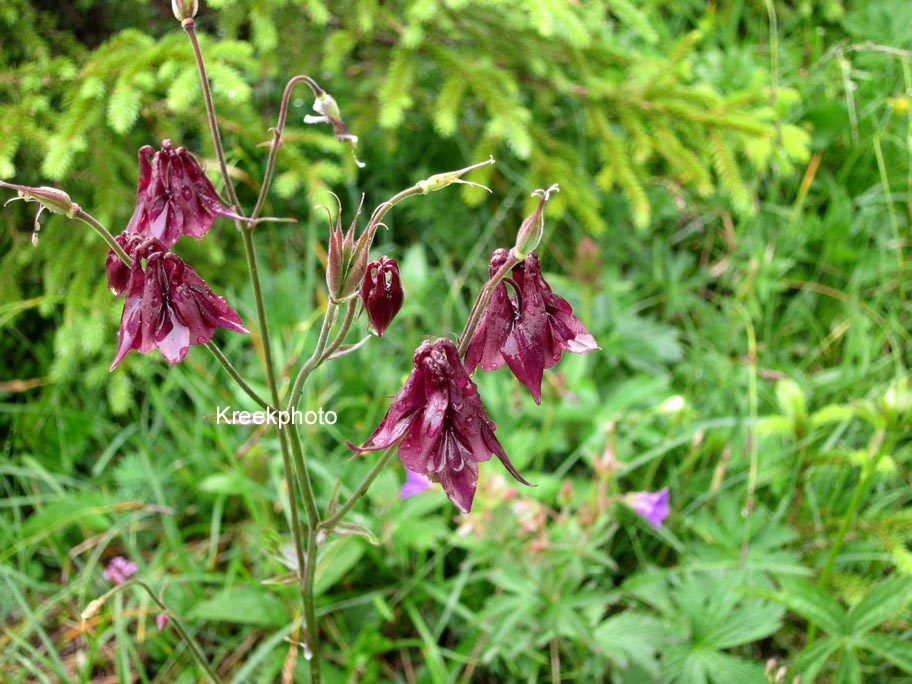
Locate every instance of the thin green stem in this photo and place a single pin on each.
(848, 517)
(238, 378)
(751, 437)
(95, 606)
(336, 517)
(343, 330)
(105, 234)
(894, 223)
(190, 28)
(315, 359)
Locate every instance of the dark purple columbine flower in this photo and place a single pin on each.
(119, 570)
(173, 196)
(530, 333)
(168, 306)
(651, 506)
(443, 425)
(381, 293)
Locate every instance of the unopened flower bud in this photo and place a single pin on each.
(54, 200)
(381, 293)
(531, 231)
(184, 9)
(346, 260)
(441, 180)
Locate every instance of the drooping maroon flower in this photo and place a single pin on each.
(167, 306)
(529, 334)
(651, 506)
(173, 196)
(443, 425)
(381, 293)
(119, 570)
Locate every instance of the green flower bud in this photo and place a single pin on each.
(531, 231)
(184, 9)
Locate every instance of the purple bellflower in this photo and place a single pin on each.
(167, 306)
(173, 196)
(381, 293)
(651, 506)
(415, 483)
(530, 333)
(442, 424)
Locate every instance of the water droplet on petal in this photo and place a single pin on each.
(201, 339)
(187, 194)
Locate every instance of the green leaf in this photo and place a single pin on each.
(880, 604)
(232, 483)
(124, 105)
(812, 660)
(245, 605)
(631, 637)
(849, 668)
(896, 651)
(813, 604)
(344, 529)
(753, 620)
(336, 558)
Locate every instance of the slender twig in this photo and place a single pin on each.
(894, 223)
(336, 517)
(238, 378)
(96, 605)
(105, 234)
(277, 137)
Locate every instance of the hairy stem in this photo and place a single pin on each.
(315, 359)
(343, 330)
(105, 234)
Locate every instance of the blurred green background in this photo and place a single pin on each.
(733, 227)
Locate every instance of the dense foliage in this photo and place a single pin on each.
(733, 226)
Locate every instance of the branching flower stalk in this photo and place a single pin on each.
(437, 423)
